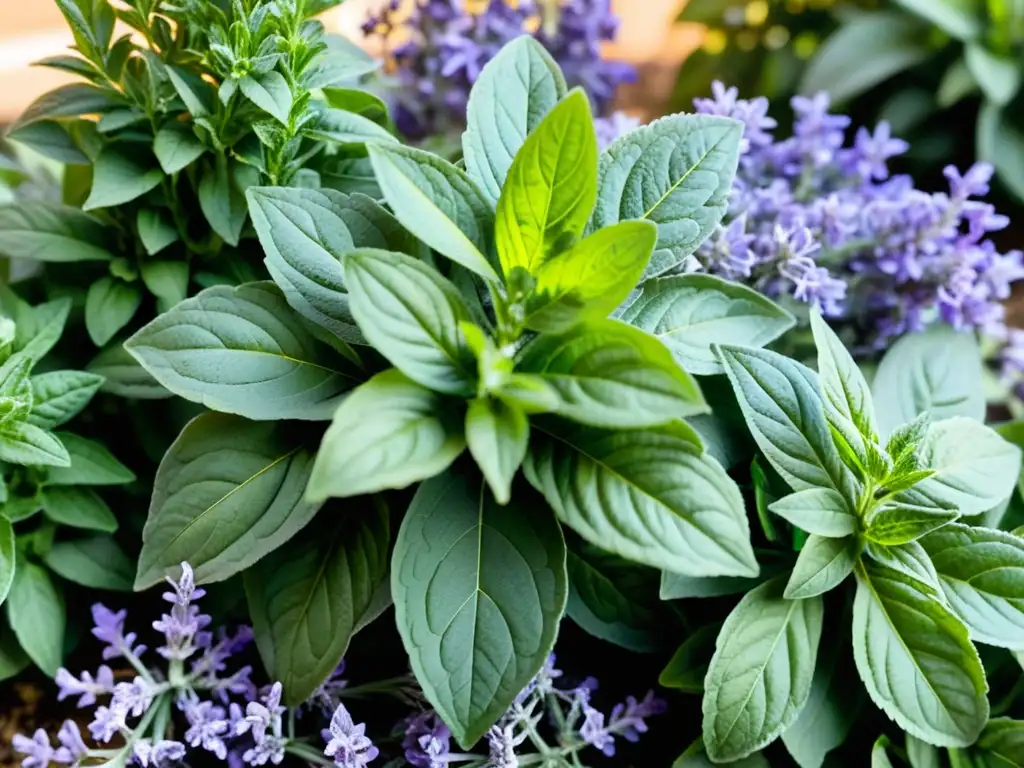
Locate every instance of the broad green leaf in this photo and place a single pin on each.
(688, 667)
(91, 464)
(821, 511)
(167, 281)
(962, 19)
(696, 756)
(58, 396)
(921, 754)
(823, 564)
(479, 590)
(879, 753)
(411, 434)
(242, 350)
(497, 435)
(342, 127)
(609, 374)
(998, 75)
(156, 232)
(176, 146)
(121, 175)
(1001, 744)
(591, 279)
(13, 660)
(938, 371)
(221, 190)
(51, 233)
(78, 508)
(35, 610)
(307, 598)
(28, 445)
(781, 401)
(613, 599)
(676, 172)
(110, 305)
(647, 495)
(691, 313)
(411, 315)
(270, 92)
(550, 189)
(341, 60)
(53, 140)
(350, 175)
(916, 659)
(124, 376)
(73, 100)
(438, 203)
(95, 561)
(228, 492)
(514, 92)
(760, 676)
(7, 556)
(40, 327)
(362, 103)
(895, 523)
(676, 586)
(981, 572)
(195, 93)
(909, 559)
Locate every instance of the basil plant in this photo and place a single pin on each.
(452, 334)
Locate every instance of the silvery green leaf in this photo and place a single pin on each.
(37, 615)
(155, 231)
(960, 18)
(121, 175)
(51, 233)
(166, 280)
(78, 508)
(342, 127)
(820, 511)
(124, 376)
(910, 559)
(91, 464)
(894, 522)
(58, 396)
(1001, 744)
(110, 305)
(921, 754)
(270, 92)
(823, 564)
(28, 445)
(221, 193)
(94, 561)
(176, 146)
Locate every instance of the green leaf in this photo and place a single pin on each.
(981, 572)
(691, 313)
(309, 597)
(58, 396)
(413, 435)
(39, 327)
(781, 403)
(497, 435)
(13, 659)
(155, 232)
(823, 564)
(78, 508)
(591, 279)
(921, 754)
(362, 103)
(124, 376)
(7, 557)
(957, 84)
(999, 76)
(341, 60)
(647, 495)
(688, 667)
(613, 599)
(479, 590)
(242, 350)
(609, 374)
(52, 140)
(696, 757)
(227, 493)
(676, 586)
(916, 658)
(938, 371)
(95, 561)
(176, 146)
(438, 203)
(195, 93)
(1001, 744)
(51, 233)
(270, 92)
(760, 676)
(73, 100)
(510, 98)
(896, 523)
(960, 18)
(120, 175)
(221, 190)
(411, 315)
(820, 511)
(551, 187)
(167, 281)
(35, 610)
(109, 306)
(341, 127)
(91, 464)
(864, 52)
(677, 172)
(999, 141)
(28, 445)
(910, 559)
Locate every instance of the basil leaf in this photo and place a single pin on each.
(910, 559)
(647, 495)
(7, 557)
(78, 508)
(35, 610)
(309, 597)
(497, 434)
(120, 176)
(981, 572)
(896, 523)
(676, 586)
(479, 589)
(590, 279)
(514, 92)
(95, 561)
(270, 92)
(342, 127)
(176, 146)
(676, 172)
(1001, 744)
(609, 374)
(110, 305)
(688, 667)
(696, 757)
(51, 233)
(760, 676)
(124, 376)
(691, 313)
(167, 281)
(242, 350)
(438, 203)
(780, 400)
(916, 658)
(551, 187)
(411, 315)
(221, 193)
(938, 371)
(91, 464)
(58, 396)
(413, 434)
(13, 659)
(40, 327)
(156, 232)
(821, 511)
(26, 444)
(823, 564)
(921, 754)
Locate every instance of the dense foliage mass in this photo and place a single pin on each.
(481, 397)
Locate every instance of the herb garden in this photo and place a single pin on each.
(428, 412)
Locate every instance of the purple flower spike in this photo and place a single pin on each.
(349, 746)
(163, 754)
(37, 750)
(183, 626)
(107, 722)
(207, 726)
(427, 741)
(87, 688)
(72, 749)
(110, 630)
(593, 731)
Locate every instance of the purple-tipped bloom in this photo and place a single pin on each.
(349, 746)
(261, 716)
(106, 723)
(37, 750)
(502, 741)
(207, 725)
(629, 719)
(183, 626)
(163, 754)
(133, 698)
(427, 741)
(87, 688)
(109, 628)
(593, 731)
(72, 748)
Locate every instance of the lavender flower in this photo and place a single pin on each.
(72, 749)
(183, 626)
(349, 746)
(37, 750)
(502, 741)
(615, 126)
(109, 628)
(593, 731)
(106, 723)
(87, 687)
(207, 726)
(134, 697)
(427, 741)
(163, 754)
